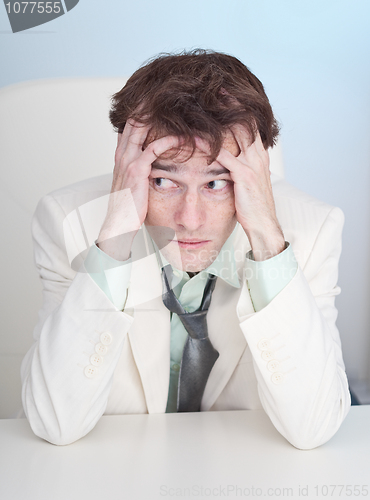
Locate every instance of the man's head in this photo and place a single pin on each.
(197, 96)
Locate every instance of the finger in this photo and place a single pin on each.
(259, 145)
(134, 135)
(244, 174)
(258, 149)
(122, 141)
(202, 145)
(159, 147)
(130, 146)
(135, 143)
(242, 137)
(253, 153)
(233, 164)
(124, 134)
(141, 167)
(224, 158)
(249, 148)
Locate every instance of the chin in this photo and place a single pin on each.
(194, 268)
(187, 262)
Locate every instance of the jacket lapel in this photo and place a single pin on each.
(150, 332)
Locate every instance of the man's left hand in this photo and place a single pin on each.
(254, 201)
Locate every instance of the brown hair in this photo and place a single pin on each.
(199, 93)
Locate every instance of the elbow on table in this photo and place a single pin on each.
(313, 436)
(58, 422)
(306, 443)
(56, 428)
(54, 434)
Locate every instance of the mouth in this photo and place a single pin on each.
(191, 243)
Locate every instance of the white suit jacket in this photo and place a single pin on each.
(285, 358)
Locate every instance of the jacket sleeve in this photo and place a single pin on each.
(296, 347)
(68, 372)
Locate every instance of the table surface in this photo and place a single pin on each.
(233, 454)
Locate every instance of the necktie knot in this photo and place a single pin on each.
(172, 302)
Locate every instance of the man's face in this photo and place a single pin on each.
(196, 201)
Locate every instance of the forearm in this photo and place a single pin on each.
(305, 390)
(61, 400)
(298, 364)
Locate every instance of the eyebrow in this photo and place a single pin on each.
(178, 168)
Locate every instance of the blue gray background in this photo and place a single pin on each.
(313, 58)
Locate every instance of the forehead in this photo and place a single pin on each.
(186, 159)
(229, 143)
(183, 157)
(193, 166)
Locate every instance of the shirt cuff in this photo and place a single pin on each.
(267, 278)
(111, 276)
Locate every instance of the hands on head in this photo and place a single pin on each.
(248, 164)
(254, 201)
(128, 203)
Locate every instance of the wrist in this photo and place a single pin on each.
(117, 247)
(266, 245)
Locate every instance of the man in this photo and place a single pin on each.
(192, 224)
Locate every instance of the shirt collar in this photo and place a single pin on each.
(224, 266)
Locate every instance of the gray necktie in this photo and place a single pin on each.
(199, 355)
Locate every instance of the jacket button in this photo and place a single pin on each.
(90, 371)
(267, 355)
(273, 365)
(101, 349)
(106, 338)
(96, 360)
(264, 344)
(277, 378)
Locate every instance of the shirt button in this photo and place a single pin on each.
(106, 338)
(96, 360)
(264, 344)
(277, 378)
(101, 349)
(176, 367)
(267, 355)
(90, 371)
(273, 365)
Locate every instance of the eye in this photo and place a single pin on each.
(217, 185)
(163, 183)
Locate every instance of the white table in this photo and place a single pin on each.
(201, 456)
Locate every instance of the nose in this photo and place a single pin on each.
(191, 212)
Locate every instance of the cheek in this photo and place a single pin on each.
(222, 212)
(221, 220)
(159, 209)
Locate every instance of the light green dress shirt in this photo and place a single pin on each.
(265, 280)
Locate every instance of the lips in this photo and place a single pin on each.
(192, 244)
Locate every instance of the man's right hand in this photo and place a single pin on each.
(128, 201)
